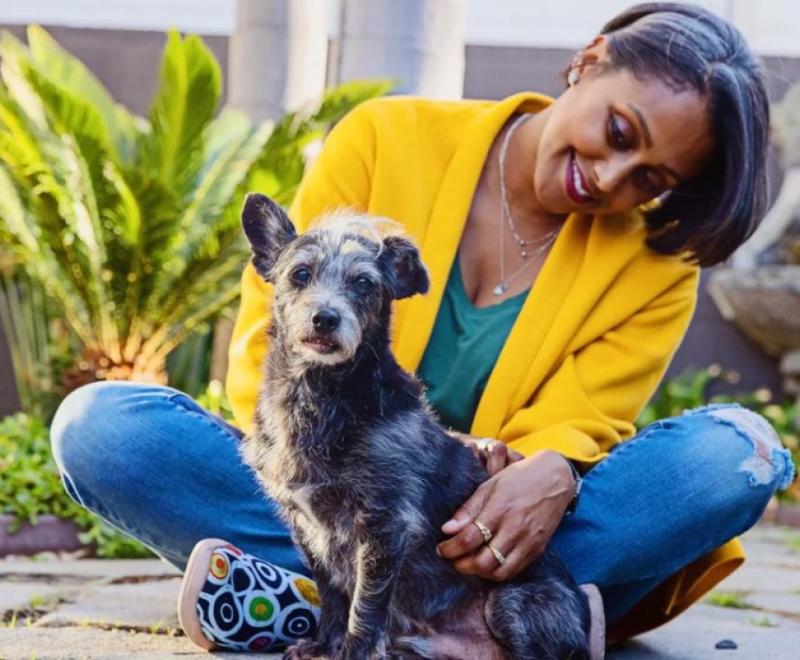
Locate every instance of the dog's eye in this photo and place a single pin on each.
(301, 276)
(363, 284)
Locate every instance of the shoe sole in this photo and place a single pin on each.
(597, 630)
(194, 578)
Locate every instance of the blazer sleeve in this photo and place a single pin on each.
(591, 400)
(339, 177)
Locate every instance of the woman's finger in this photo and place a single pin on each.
(468, 536)
(496, 457)
(467, 511)
(516, 562)
(483, 561)
(522, 552)
(513, 455)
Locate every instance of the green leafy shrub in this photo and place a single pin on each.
(215, 401)
(31, 487)
(691, 389)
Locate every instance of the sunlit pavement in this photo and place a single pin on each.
(126, 609)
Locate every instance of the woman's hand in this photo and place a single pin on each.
(521, 505)
(495, 454)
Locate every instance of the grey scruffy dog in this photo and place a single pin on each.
(364, 475)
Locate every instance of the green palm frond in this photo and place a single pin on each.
(27, 164)
(131, 228)
(187, 96)
(72, 75)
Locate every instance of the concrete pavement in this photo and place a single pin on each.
(126, 609)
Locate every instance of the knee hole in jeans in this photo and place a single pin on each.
(770, 462)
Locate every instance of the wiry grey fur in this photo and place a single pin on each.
(365, 477)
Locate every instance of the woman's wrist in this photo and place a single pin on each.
(576, 485)
(567, 478)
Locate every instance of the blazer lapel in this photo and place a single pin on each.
(415, 319)
(589, 253)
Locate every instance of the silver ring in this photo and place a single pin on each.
(485, 444)
(497, 554)
(486, 533)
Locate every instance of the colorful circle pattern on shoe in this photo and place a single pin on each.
(247, 604)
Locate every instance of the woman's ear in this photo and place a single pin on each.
(403, 270)
(268, 230)
(594, 53)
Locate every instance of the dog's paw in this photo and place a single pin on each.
(307, 650)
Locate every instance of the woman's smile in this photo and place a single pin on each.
(577, 186)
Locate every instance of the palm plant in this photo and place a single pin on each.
(129, 226)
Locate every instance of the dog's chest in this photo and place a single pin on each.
(326, 521)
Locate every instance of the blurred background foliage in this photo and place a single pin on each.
(695, 388)
(120, 240)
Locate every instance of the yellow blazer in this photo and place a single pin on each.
(595, 333)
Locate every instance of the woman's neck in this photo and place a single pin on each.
(529, 216)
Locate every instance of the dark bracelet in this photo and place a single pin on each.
(578, 485)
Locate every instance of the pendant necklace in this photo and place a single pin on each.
(522, 245)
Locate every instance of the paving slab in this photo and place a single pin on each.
(786, 603)
(20, 596)
(693, 636)
(23, 643)
(147, 606)
(87, 569)
(763, 577)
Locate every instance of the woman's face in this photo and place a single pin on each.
(612, 142)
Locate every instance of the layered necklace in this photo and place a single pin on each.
(527, 248)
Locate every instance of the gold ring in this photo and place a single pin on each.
(497, 554)
(486, 533)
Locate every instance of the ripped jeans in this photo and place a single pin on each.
(156, 465)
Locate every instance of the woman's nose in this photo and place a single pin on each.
(612, 172)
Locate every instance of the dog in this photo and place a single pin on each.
(345, 444)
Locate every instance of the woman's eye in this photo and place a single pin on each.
(301, 276)
(363, 284)
(616, 133)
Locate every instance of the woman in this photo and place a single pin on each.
(563, 240)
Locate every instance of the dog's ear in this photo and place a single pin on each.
(268, 229)
(402, 267)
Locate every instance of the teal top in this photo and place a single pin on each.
(461, 353)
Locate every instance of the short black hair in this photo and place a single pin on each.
(688, 47)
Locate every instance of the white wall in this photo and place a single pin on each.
(771, 26)
(203, 16)
(550, 23)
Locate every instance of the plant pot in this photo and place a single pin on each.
(49, 534)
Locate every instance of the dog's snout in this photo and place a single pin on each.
(326, 320)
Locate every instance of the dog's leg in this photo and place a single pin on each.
(335, 605)
(379, 557)
(540, 615)
(332, 625)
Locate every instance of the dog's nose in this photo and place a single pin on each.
(326, 320)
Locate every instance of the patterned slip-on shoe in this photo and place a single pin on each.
(230, 600)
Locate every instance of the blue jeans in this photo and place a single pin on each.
(153, 463)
